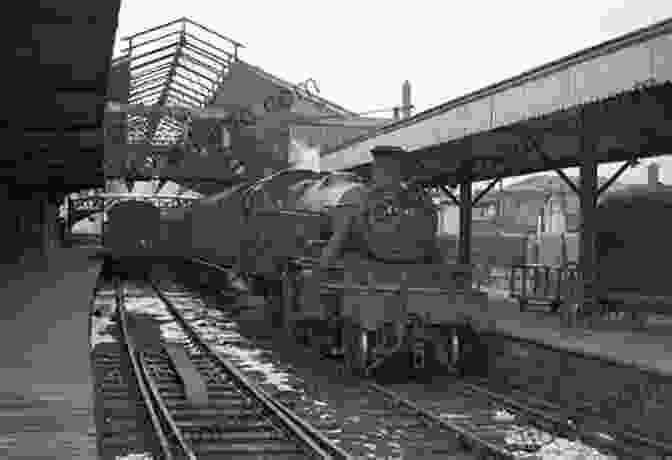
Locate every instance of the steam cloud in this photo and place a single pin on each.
(302, 156)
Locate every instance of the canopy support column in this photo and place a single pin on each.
(587, 254)
(465, 222)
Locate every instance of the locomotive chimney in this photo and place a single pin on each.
(653, 173)
(387, 165)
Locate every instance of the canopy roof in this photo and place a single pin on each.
(613, 101)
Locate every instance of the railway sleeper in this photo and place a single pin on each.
(123, 431)
(128, 416)
(164, 373)
(122, 425)
(103, 355)
(249, 449)
(182, 412)
(222, 397)
(212, 388)
(108, 373)
(107, 359)
(214, 396)
(112, 382)
(213, 433)
(109, 440)
(114, 405)
(181, 403)
(226, 425)
(118, 394)
(106, 362)
(113, 387)
(166, 379)
(107, 365)
(160, 366)
(403, 421)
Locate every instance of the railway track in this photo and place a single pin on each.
(122, 415)
(585, 423)
(479, 425)
(510, 424)
(239, 419)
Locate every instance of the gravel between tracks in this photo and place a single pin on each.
(345, 409)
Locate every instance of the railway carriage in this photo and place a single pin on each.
(132, 233)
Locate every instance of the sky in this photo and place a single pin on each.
(360, 52)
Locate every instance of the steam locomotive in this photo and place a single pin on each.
(352, 265)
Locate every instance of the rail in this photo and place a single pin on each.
(543, 414)
(462, 434)
(140, 373)
(308, 435)
(575, 422)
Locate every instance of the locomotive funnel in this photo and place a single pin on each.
(387, 164)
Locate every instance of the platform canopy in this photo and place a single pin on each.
(612, 101)
(55, 78)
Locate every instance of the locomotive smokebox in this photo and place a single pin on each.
(387, 161)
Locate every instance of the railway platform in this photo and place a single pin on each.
(611, 369)
(649, 349)
(46, 402)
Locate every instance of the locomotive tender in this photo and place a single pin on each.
(352, 264)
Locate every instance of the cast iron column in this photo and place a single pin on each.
(588, 197)
(465, 222)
